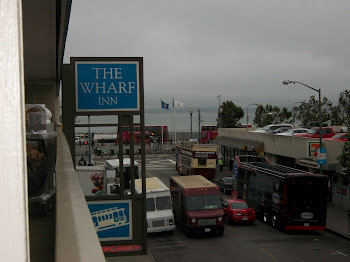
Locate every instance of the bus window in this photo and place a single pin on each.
(202, 162)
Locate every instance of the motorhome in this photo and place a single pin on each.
(159, 214)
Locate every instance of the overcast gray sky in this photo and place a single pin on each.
(196, 50)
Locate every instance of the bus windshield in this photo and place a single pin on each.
(203, 202)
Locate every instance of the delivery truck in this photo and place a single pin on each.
(197, 204)
(159, 214)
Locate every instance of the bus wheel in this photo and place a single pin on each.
(273, 220)
(265, 217)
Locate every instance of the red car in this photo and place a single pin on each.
(339, 137)
(327, 132)
(238, 210)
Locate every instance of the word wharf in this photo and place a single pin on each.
(110, 87)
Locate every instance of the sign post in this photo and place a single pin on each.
(114, 86)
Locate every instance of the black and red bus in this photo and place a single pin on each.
(282, 196)
(150, 132)
(208, 133)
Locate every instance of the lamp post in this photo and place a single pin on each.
(287, 82)
(219, 96)
(247, 113)
(191, 111)
(199, 125)
(220, 117)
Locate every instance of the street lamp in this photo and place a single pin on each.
(319, 108)
(247, 113)
(219, 96)
(220, 117)
(199, 125)
(191, 111)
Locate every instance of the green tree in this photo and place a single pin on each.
(231, 114)
(344, 157)
(341, 112)
(271, 115)
(309, 111)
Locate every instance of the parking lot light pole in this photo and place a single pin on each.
(191, 111)
(247, 113)
(287, 82)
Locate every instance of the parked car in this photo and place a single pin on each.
(270, 128)
(225, 184)
(295, 131)
(281, 130)
(327, 132)
(339, 137)
(238, 211)
(344, 129)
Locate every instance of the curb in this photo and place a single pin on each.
(344, 236)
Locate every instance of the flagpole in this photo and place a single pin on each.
(161, 118)
(172, 122)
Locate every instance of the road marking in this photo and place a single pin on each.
(268, 253)
(339, 253)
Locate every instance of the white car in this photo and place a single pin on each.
(295, 131)
(270, 128)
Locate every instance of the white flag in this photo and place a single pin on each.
(178, 104)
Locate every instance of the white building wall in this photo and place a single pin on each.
(14, 238)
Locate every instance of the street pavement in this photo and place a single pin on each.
(337, 217)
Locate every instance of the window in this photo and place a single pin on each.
(239, 205)
(345, 181)
(163, 203)
(202, 161)
(150, 204)
(203, 202)
(224, 204)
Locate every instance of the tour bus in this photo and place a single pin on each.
(282, 196)
(197, 204)
(193, 158)
(208, 133)
(150, 132)
(113, 174)
(159, 214)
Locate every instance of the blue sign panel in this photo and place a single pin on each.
(321, 156)
(235, 172)
(107, 86)
(112, 219)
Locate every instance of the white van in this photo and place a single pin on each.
(113, 174)
(160, 215)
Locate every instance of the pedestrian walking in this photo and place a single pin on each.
(221, 164)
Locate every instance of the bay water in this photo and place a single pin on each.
(179, 121)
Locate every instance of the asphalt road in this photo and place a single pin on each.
(256, 242)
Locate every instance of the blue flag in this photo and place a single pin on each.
(165, 105)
